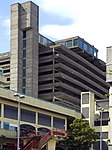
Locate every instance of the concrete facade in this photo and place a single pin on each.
(24, 48)
(56, 71)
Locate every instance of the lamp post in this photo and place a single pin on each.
(19, 97)
(101, 111)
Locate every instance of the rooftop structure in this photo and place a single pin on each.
(56, 71)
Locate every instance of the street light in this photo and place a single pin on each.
(101, 111)
(18, 97)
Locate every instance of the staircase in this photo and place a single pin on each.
(32, 143)
(38, 143)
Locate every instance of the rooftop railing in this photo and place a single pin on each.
(45, 41)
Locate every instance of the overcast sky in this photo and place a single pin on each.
(89, 19)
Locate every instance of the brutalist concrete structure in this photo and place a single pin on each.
(56, 71)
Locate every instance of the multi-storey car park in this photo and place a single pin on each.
(54, 71)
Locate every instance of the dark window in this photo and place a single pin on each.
(24, 72)
(24, 62)
(24, 90)
(24, 34)
(10, 112)
(24, 82)
(58, 123)
(6, 71)
(8, 79)
(24, 53)
(44, 119)
(5, 62)
(28, 116)
(104, 123)
(24, 43)
(85, 112)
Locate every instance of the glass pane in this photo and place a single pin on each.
(95, 53)
(44, 119)
(85, 46)
(28, 116)
(10, 112)
(24, 43)
(24, 34)
(24, 53)
(91, 50)
(6, 125)
(76, 42)
(81, 44)
(58, 123)
(1, 72)
(24, 62)
(69, 43)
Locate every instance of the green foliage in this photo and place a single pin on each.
(81, 136)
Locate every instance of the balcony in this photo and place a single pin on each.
(7, 133)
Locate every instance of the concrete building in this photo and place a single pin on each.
(36, 115)
(60, 72)
(56, 71)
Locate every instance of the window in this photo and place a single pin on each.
(6, 125)
(85, 46)
(1, 72)
(24, 34)
(85, 98)
(24, 72)
(69, 43)
(28, 116)
(44, 119)
(95, 53)
(10, 112)
(24, 82)
(24, 43)
(24, 90)
(76, 42)
(24, 53)
(85, 112)
(58, 123)
(91, 50)
(81, 44)
(104, 123)
(24, 62)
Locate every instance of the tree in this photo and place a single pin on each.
(81, 136)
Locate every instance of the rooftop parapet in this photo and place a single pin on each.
(80, 43)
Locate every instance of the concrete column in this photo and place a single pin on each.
(51, 145)
(51, 121)
(110, 116)
(2, 115)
